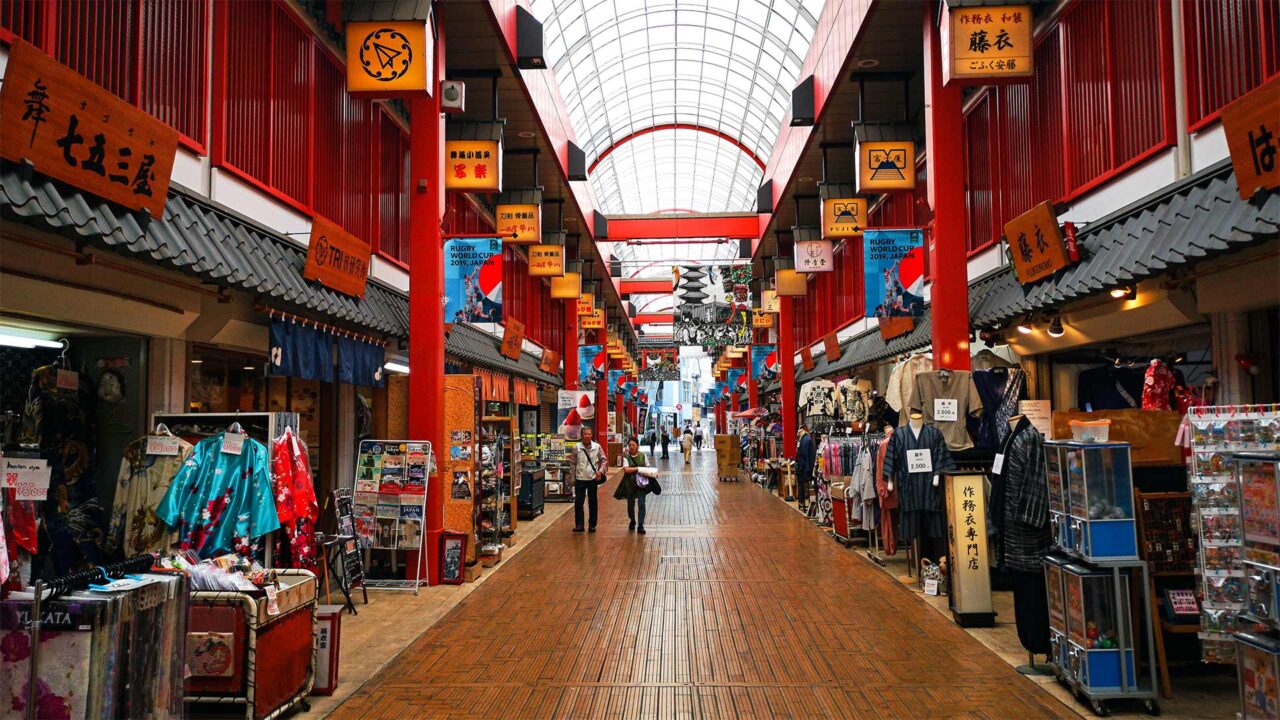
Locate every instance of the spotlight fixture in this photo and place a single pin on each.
(396, 367)
(1055, 327)
(1124, 292)
(1025, 325)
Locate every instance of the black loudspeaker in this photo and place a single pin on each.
(744, 248)
(803, 107)
(599, 226)
(577, 163)
(615, 267)
(764, 198)
(528, 41)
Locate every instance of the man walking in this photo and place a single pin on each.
(589, 465)
(697, 438)
(806, 459)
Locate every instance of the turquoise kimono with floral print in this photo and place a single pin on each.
(219, 502)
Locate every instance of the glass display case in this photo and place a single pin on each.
(1059, 521)
(1259, 676)
(1100, 656)
(1099, 499)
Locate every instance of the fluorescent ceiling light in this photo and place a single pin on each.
(22, 341)
(397, 367)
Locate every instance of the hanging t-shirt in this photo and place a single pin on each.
(947, 400)
(853, 396)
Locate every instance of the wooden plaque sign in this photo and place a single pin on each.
(73, 130)
(1253, 136)
(831, 344)
(806, 358)
(512, 338)
(1035, 241)
(550, 362)
(336, 258)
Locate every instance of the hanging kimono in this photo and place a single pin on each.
(143, 482)
(219, 502)
(919, 498)
(888, 498)
(296, 506)
(1000, 389)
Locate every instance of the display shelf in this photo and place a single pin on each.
(499, 452)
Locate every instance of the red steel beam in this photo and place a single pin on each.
(643, 318)
(647, 287)
(676, 126)
(732, 226)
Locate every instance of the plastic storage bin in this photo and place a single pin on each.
(1099, 499)
(1090, 431)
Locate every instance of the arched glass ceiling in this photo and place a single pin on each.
(630, 65)
(673, 170)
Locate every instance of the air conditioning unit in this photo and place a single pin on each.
(453, 96)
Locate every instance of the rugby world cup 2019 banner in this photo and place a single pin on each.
(893, 265)
(615, 381)
(764, 362)
(591, 362)
(473, 280)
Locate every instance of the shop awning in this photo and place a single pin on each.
(1194, 219)
(204, 240)
(477, 347)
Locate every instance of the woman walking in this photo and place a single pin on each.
(631, 488)
(686, 444)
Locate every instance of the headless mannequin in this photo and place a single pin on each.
(915, 423)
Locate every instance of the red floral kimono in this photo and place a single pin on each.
(296, 505)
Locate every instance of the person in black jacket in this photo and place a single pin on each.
(806, 459)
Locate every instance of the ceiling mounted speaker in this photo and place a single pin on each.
(453, 96)
(577, 163)
(803, 105)
(764, 198)
(528, 41)
(615, 267)
(599, 226)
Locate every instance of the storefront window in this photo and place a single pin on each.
(225, 381)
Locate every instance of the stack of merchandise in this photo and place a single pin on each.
(728, 455)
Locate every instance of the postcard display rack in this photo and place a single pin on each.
(460, 462)
(390, 503)
(498, 487)
(555, 464)
(1096, 648)
(1257, 634)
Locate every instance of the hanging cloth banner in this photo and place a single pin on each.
(473, 280)
(764, 362)
(894, 272)
(615, 381)
(591, 360)
(735, 378)
(360, 363)
(300, 351)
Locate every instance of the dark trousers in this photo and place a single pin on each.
(631, 509)
(585, 492)
(664, 451)
(802, 489)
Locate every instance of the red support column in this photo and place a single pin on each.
(787, 373)
(602, 393)
(570, 350)
(426, 288)
(945, 167)
(753, 388)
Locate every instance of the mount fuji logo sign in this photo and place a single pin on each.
(389, 59)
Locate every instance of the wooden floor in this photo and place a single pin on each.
(733, 606)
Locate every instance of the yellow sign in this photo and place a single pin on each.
(519, 224)
(473, 165)
(586, 303)
(761, 319)
(789, 283)
(843, 218)
(546, 260)
(886, 165)
(769, 302)
(594, 320)
(566, 287)
(389, 59)
(985, 42)
(1252, 141)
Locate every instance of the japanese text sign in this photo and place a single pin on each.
(546, 260)
(336, 258)
(1252, 127)
(967, 541)
(586, 303)
(761, 319)
(806, 358)
(73, 130)
(512, 338)
(886, 165)
(594, 321)
(519, 224)
(831, 344)
(985, 42)
(814, 256)
(769, 302)
(1036, 244)
(842, 218)
(389, 59)
(473, 165)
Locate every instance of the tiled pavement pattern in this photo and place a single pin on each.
(733, 606)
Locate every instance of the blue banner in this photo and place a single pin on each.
(735, 377)
(764, 362)
(893, 272)
(591, 360)
(473, 280)
(615, 381)
(300, 351)
(360, 363)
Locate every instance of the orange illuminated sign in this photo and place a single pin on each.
(567, 287)
(473, 165)
(73, 130)
(546, 260)
(336, 258)
(843, 217)
(886, 165)
(789, 283)
(593, 321)
(519, 224)
(986, 42)
(769, 302)
(389, 59)
(761, 319)
(586, 303)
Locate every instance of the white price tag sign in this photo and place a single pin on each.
(68, 380)
(997, 466)
(919, 461)
(946, 410)
(163, 445)
(930, 587)
(232, 443)
(29, 478)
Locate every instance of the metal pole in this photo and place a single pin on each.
(33, 663)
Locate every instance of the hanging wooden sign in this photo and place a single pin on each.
(512, 338)
(336, 258)
(831, 344)
(806, 358)
(71, 129)
(1035, 242)
(550, 362)
(389, 59)
(985, 42)
(1253, 135)
(519, 224)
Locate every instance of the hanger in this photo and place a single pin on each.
(62, 357)
(235, 427)
(162, 429)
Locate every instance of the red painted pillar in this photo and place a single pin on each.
(753, 388)
(570, 350)
(945, 167)
(787, 373)
(602, 393)
(620, 406)
(426, 288)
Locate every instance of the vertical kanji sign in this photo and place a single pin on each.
(73, 130)
(814, 256)
(1035, 242)
(1252, 126)
(512, 338)
(986, 42)
(473, 165)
